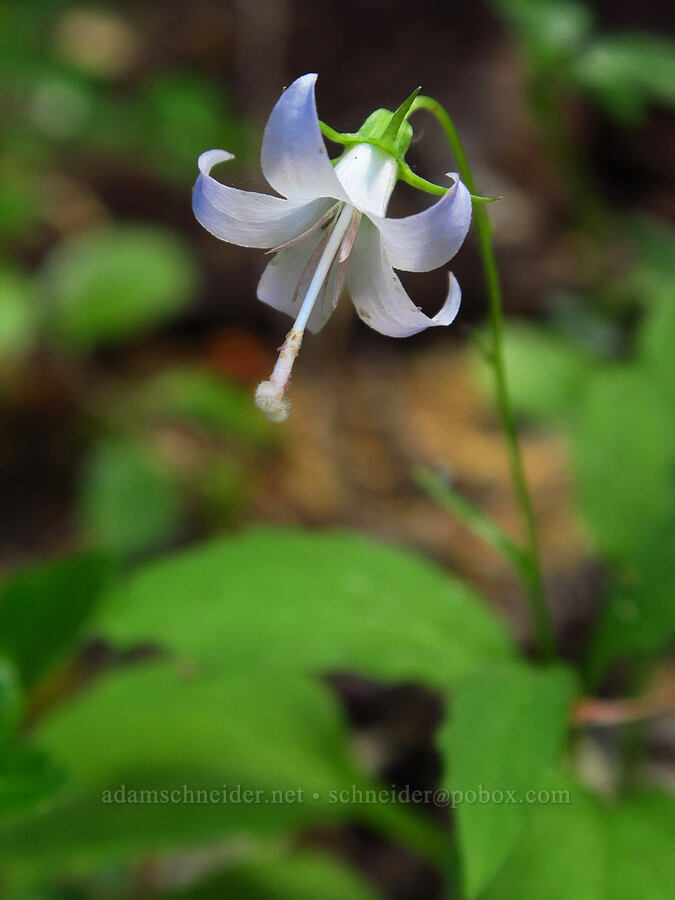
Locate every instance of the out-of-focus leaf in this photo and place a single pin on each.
(10, 701)
(561, 852)
(309, 602)
(19, 205)
(628, 72)
(641, 839)
(128, 503)
(18, 314)
(652, 277)
(584, 327)
(179, 115)
(639, 616)
(657, 339)
(622, 457)
(146, 731)
(303, 876)
(43, 610)
(117, 282)
(29, 783)
(209, 400)
(550, 30)
(222, 489)
(505, 730)
(547, 373)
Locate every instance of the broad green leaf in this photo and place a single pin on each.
(43, 609)
(639, 616)
(622, 458)
(561, 852)
(29, 783)
(628, 72)
(128, 502)
(652, 278)
(657, 339)
(162, 758)
(208, 400)
(506, 729)
(641, 839)
(10, 701)
(308, 602)
(112, 284)
(303, 876)
(547, 373)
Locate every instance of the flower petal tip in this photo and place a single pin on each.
(267, 398)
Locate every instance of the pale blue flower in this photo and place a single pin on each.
(329, 230)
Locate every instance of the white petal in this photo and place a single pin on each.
(294, 158)
(368, 175)
(379, 296)
(244, 217)
(428, 239)
(278, 284)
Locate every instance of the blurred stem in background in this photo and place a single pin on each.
(530, 562)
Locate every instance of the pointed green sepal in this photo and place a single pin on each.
(399, 117)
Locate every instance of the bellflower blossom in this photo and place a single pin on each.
(329, 230)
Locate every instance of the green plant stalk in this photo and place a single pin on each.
(532, 572)
(474, 519)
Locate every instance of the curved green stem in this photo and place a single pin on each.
(532, 573)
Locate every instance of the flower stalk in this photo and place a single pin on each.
(531, 571)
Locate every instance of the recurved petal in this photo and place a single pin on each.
(379, 296)
(294, 158)
(428, 239)
(279, 282)
(244, 217)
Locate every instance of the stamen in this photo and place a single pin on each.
(269, 396)
(344, 256)
(319, 222)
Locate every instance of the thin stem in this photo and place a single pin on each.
(476, 520)
(533, 580)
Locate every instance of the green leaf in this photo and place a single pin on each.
(178, 115)
(575, 846)
(10, 701)
(118, 282)
(29, 783)
(639, 616)
(652, 277)
(303, 876)
(561, 853)
(628, 72)
(641, 839)
(506, 729)
(141, 732)
(308, 602)
(207, 400)
(622, 458)
(128, 503)
(43, 610)
(18, 314)
(656, 342)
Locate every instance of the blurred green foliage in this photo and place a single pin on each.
(107, 286)
(625, 73)
(58, 595)
(128, 501)
(517, 707)
(302, 876)
(230, 640)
